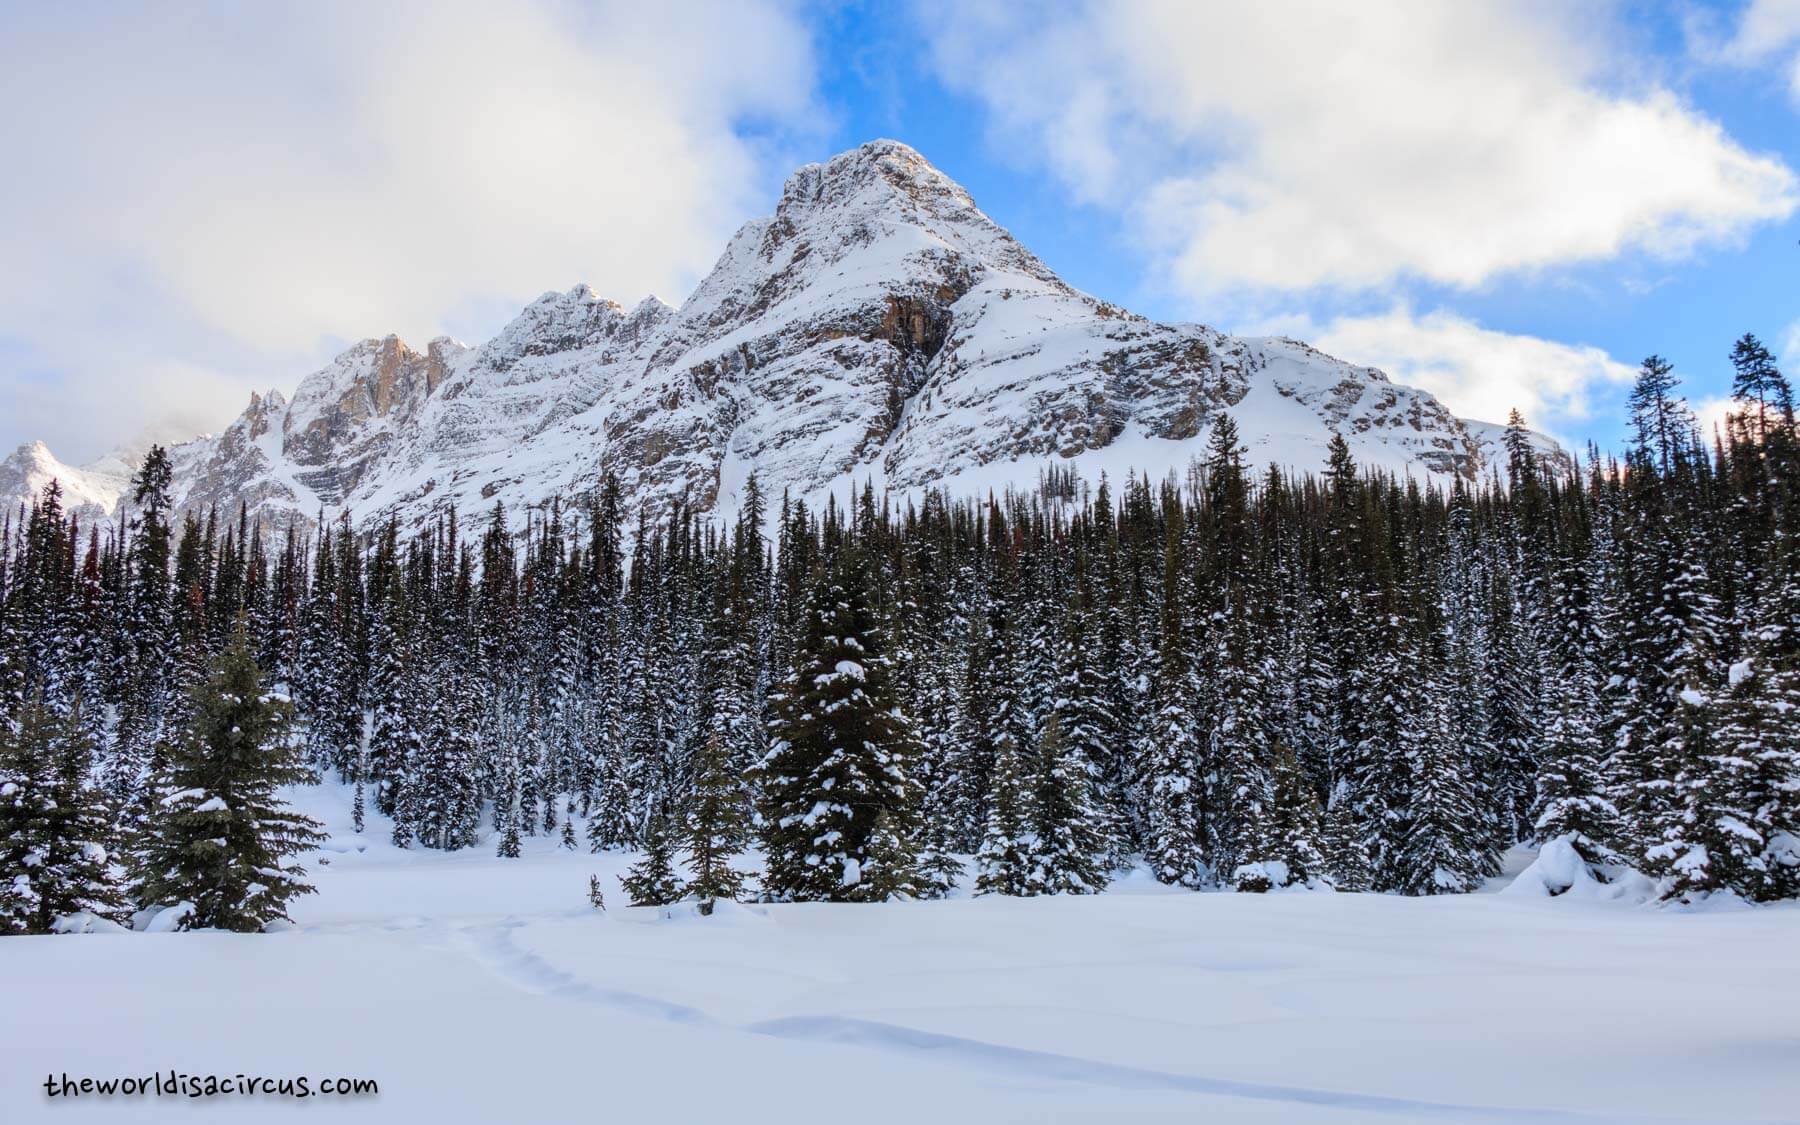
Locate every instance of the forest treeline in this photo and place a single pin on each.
(1239, 678)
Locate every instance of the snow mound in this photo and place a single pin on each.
(1559, 871)
(166, 921)
(724, 914)
(87, 922)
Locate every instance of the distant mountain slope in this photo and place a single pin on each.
(878, 327)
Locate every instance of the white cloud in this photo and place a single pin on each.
(1291, 146)
(1477, 372)
(236, 187)
(1767, 31)
(1711, 413)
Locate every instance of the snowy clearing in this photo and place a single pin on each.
(479, 989)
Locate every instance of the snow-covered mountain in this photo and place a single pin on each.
(878, 327)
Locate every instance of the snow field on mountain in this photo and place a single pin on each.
(480, 989)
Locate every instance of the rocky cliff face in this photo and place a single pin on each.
(877, 328)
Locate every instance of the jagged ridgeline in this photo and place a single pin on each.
(1235, 677)
(877, 326)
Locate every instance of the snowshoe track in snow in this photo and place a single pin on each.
(1067, 1068)
(495, 949)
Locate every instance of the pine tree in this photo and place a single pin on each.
(1570, 801)
(1006, 856)
(1068, 841)
(1699, 841)
(1757, 380)
(1172, 757)
(716, 825)
(1441, 852)
(1239, 741)
(1762, 724)
(219, 835)
(1659, 416)
(838, 758)
(1087, 724)
(1237, 709)
(970, 773)
(507, 811)
(1287, 848)
(146, 634)
(651, 881)
(1342, 844)
(54, 826)
(1004, 860)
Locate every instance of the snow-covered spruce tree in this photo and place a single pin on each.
(1068, 841)
(653, 718)
(651, 881)
(930, 651)
(442, 803)
(1343, 845)
(507, 810)
(1083, 709)
(146, 633)
(1236, 704)
(838, 757)
(1570, 802)
(1443, 850)
(1172, 755)
(191, 633)
(1456, 578)
(219, 835)
(1287, 846)
(1518, 552)
(1514, 707)
(717, 822)
(443, 789)
(54, 825)
(394, 687)
(1668, 633)
(39, 616)
(1762, 719)
(1004, 858)
(1299, 682)
(568, 842)
(1239, 744)
(1003, 862)
(601, 636)
(1702, 841)
(972, 743)
(1360, 632)
(1450, 844)
(612, 720)
(1634, 703)
(1382, 761)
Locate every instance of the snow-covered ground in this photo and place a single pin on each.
(478, 989)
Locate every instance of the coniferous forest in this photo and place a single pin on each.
(1244, 678)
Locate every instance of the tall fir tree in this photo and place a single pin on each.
(839, 757)
(55, 826)
(219, 837)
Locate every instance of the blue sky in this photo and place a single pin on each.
(1509, 203)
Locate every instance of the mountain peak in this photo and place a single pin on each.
(885, 168)
(877, 326)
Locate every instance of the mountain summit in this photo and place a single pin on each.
(878, 327)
